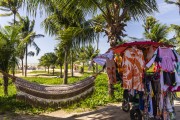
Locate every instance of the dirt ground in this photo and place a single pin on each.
(108, 112)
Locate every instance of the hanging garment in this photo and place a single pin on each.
(118, 60)
(165, 58)
(111, 71)
(169, 78)
(101, 59)
(168, 59)
(133, 66)
(177, 71)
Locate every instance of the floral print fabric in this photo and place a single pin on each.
(133, 66)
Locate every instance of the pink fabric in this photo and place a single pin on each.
(171, 89)
(168, 59)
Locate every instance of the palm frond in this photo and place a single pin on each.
(31, 53)
(36, 47)
(5, 9)
(6, 14)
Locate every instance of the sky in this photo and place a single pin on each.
(168, 14)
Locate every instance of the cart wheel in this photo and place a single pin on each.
(135, 114)
(125, 106)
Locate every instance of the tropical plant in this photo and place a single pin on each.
(9, 36)
(47, 60)
(27, 30)
(175, 40)
(115, 12)
(155, 30)
(60, 58)
(10, 6)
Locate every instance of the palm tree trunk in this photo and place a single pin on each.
(13, 67)
(65, 78)
(83, 68)
(5, 78)
(48, 69)
(97, 49)
(22, 64)
(61, 71)
(26, 60)
(14, 18)
(53, 70)
(72, 73)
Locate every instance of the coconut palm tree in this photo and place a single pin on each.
(68, 30)
(60, 58)
(116, 13)
(154, 30)
(48, 59)
(92, 52)
(10, 6)
(9, 36)
(175, 40)
(27, 30)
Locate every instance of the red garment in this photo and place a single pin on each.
(111, 71)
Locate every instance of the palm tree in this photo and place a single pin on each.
(68, 30)
(154, 30)
(9, 36)
(115, 13)
(90, 53)
(48, 59)
(176, 38)
(10, 6)
(27, 30)
(175, 3)
(176, 28)
(60, 58)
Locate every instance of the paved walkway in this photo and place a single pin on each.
(108, 112)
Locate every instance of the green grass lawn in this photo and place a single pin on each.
(98, 98)
(37, 72)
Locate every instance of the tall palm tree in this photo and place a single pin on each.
(68, 30)
(116, 13)
(154, 30)
(28, 30)
(60, 58)
(10, 6)
(48, 59)
(175, 3)
(10, 37)
(175, 40)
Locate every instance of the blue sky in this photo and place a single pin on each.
(168, 14)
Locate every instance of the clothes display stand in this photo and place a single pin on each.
(149, 73)
(151, 93)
